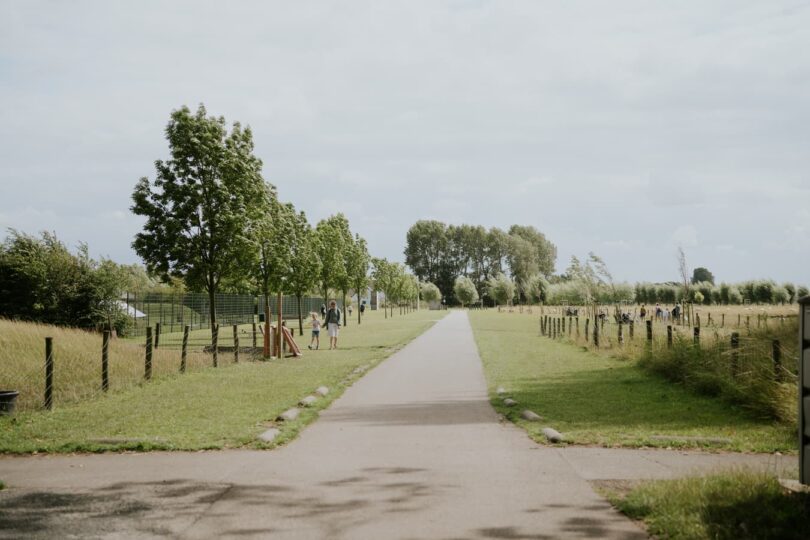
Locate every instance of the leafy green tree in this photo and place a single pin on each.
(465, 290)
(357, 265)
(199, 207)
(791, 290)
(383, 274)
(538, 288)
(698, 297)
(426, 249)
(802, 291)
(700, 274)
(522, 262)
(305, 266)
(332, 245)
(780, 295)
(501, 289)
(545, 252)
(430, 292)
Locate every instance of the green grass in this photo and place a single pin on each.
(594, 399)
(224, 407)
(724, 506)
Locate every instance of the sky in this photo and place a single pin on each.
(626, 128)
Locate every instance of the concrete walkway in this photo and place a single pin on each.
(413, 450)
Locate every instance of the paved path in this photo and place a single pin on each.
(413, 450)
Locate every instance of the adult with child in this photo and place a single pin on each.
(332, 322)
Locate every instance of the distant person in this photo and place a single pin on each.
(643, 312)
(658, 311)
(316, 332)
(349, 309)
(362, 307)
(332, 321)
(323, 310)
(676, 312)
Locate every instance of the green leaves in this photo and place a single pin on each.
(200, 204)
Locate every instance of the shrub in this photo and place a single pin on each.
(465, 291)
(501, 288)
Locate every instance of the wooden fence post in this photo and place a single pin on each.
(577, 318)
(157, 332)
(596, 334)
(722, 320)
(739, 316)
(147, 370)
(562, 324)
(215, 343)
(105, 361)
(569, 325)
(587, 323)
(235, 343)
(49, 373)
(254, 334)
(696, 334)
(649, 331)
(669, 336)
(184, 350)
(621, 333)
(632, 325)
(776, 353)
(735, 344)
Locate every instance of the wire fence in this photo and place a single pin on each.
(173, 312)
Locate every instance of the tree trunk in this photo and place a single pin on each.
(345, 318)
(300, 317)
(358, 305)
(212, 306)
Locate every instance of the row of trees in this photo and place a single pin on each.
(704, 292)
(213, 222)
(440, 253)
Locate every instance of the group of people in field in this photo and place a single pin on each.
(662, 313)
(332, 322)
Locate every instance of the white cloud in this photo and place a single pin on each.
(685, 236)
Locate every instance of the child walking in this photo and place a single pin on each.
(316, 331)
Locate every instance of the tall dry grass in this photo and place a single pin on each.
(77, 362)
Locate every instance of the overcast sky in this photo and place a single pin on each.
(624, 128)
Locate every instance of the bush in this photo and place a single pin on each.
(501, 288)
(40, 280)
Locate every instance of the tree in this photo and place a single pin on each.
(199, 206)
(700, 274)
(683, 270)
(426, 247)
(522, 262)
(791, 290)
(305, 266)
(383, 275)
(465, 291)
(538, 288)
(357, 264)
(545, 253)
(430, 292)
(331, 247)
(501, 288)
(698, 297)
(802, 291)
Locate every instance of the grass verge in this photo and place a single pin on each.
(595, 399)
(729, 505)
(214, 407)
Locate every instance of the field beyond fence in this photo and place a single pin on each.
(747, 355)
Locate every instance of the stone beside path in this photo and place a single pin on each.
(413, 450)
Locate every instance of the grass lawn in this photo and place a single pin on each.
(594, 399)
(722, 506)
(213, 407)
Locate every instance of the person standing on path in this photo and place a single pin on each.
(332, 323)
